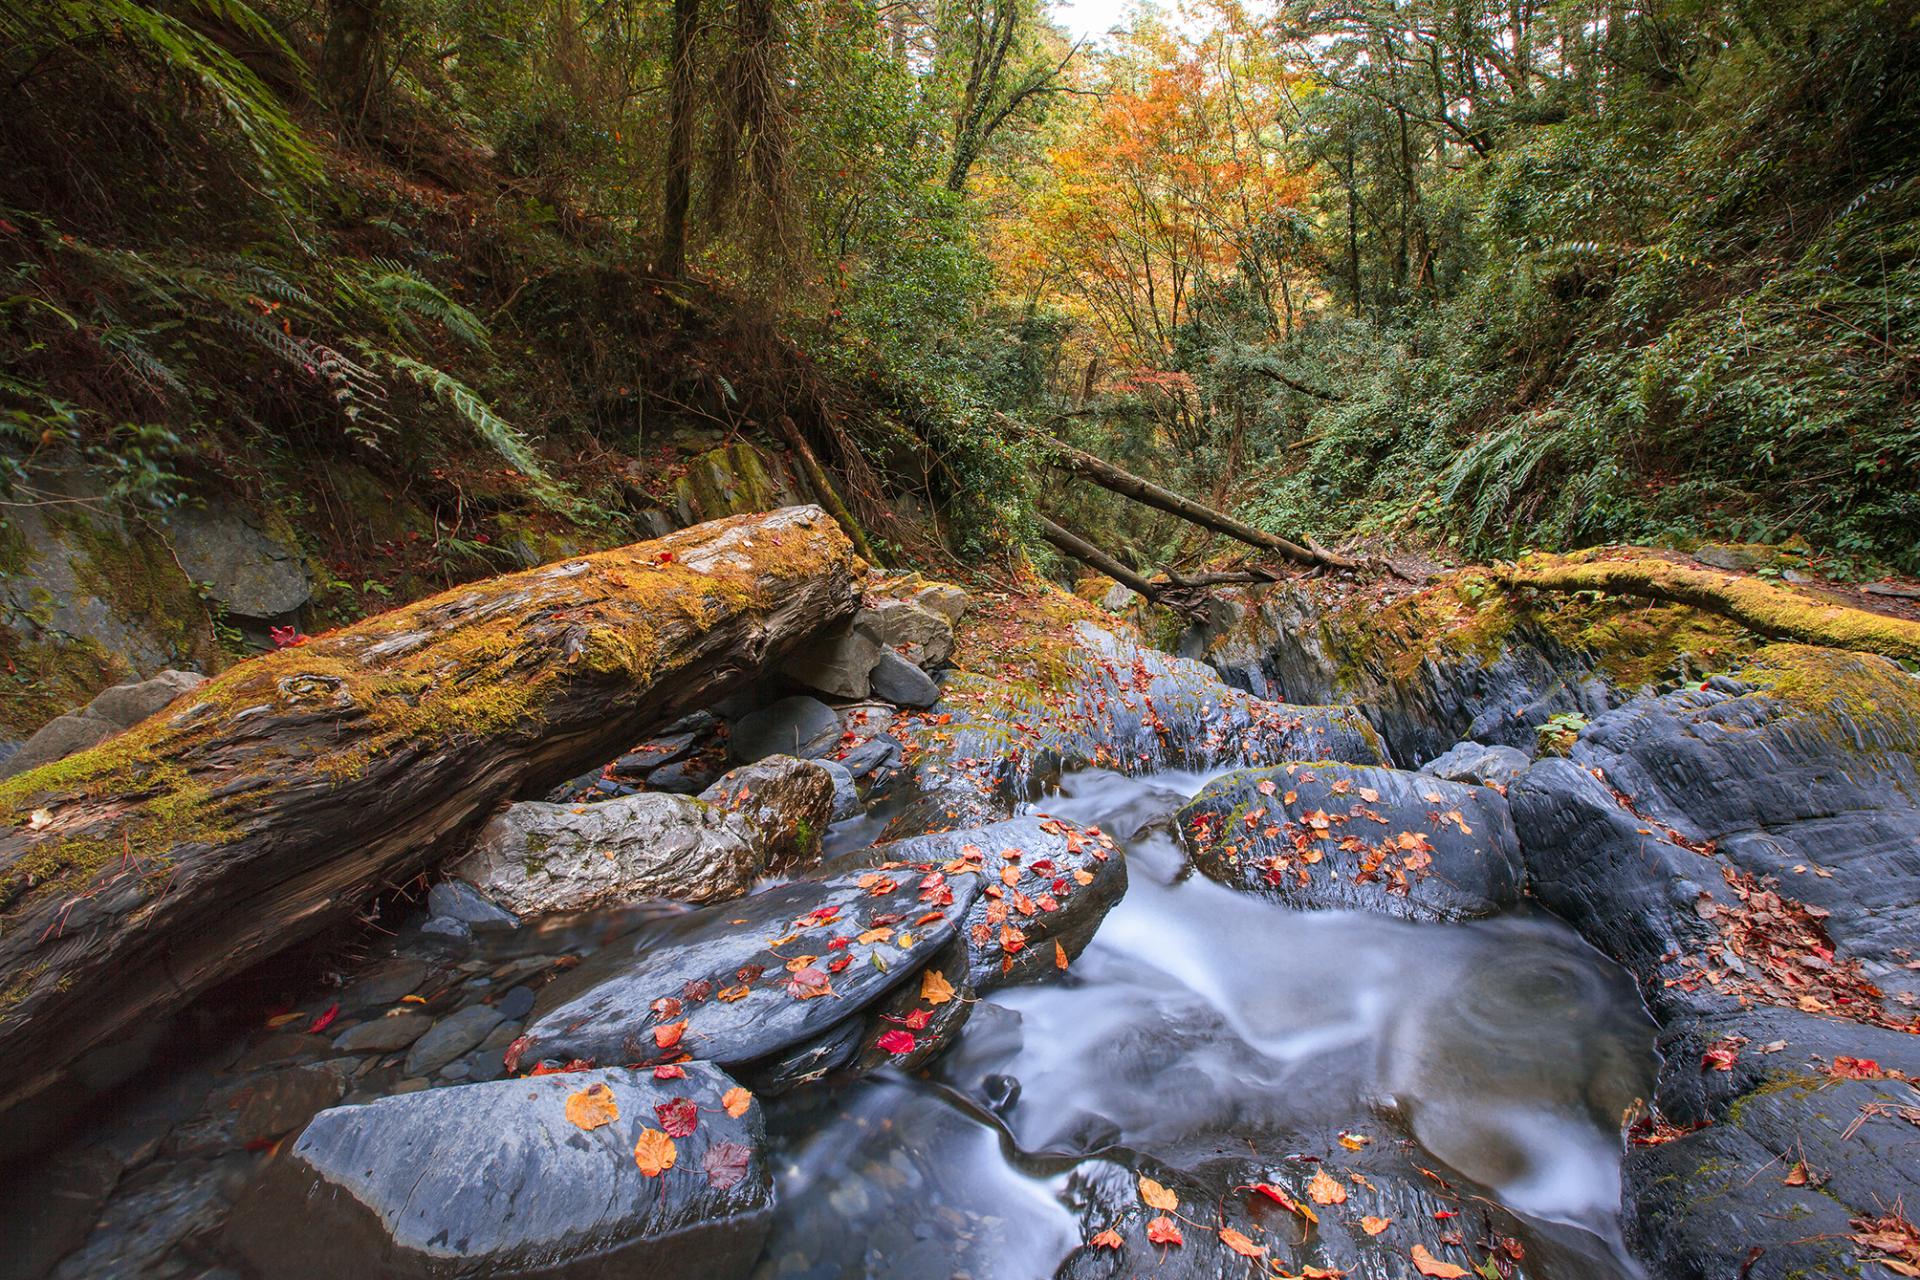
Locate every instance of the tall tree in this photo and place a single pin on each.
(681, 105)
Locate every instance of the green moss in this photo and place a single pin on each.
(41, 678)
(1868, 699)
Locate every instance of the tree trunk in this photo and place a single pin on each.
(274, 799)
(349, 60)
(1086, 553)
(680, 111)
(1752, 602)
(822, 484)
(1128, 485)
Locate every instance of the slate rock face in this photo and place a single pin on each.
(787, 804)
(919, 634)
(1751, 852)
(539, 857)
(494, 1179)
(733, 973)
(1277, 647)
(1121, 706)
(837, 663)
(1331, 835)
(900, 682)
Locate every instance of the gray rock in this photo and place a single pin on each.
(795, 726)
(696, 959)
(139, 1230)
(461, 901)
(877, 752)
(449, 928)
(785, 801)
(516, 1003)
(281, 1101)
(846, 795)
(687, 776)
(383, 1035)
(900, 682)
(385, 985)
(449, 1038)
(539, 857)
(1326, 835)
(128, 704)
(247, 571)
(493, 1179)
(1479, 764)
(919, 635)
(57, 739)
(836, 664)
(942, 598)
(653, 753)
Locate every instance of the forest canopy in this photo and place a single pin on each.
(1491, 274)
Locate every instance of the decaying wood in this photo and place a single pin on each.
(822, 485)
(1752, 602)
(1072, 544)
(1146, 492)
(276, 797)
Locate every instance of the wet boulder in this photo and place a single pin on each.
(1479, 764)
(1044, 886)
(794, 726)
(747, 979)
(837, 664)
(501, 1179)
(921, 635)
(538, 857)
(787, 804)
(1328, 835)
(111, 710)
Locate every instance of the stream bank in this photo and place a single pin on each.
(1060, 979)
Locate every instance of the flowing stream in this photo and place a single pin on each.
(1205, 1023)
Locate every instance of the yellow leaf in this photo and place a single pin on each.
(1428, 1265)
(1059, 956)
(876, 935)
(283, 1019)
(1374, 1226)
(1157, 1196)
(1108, 1239)
(934, 987)
(1325, 1190)
(1082, 877)
(655, 1153)
(592, 1107)
(736, 1100)
(1354, 1141)
(1237, 1242)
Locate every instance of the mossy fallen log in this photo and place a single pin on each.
(1754, 603)
(280, 794)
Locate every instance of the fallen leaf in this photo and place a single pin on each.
(1239, 1243)
(1428, 1265)
(672, 1071)
(1325, 1190)
(1157, 1196)
(1354, 1141)
(934, 987)
(881, 934)
(1796, 1176)
(654, 1152)
(1108, 1239)
(1162, 1231)
(1059, 956)
(325, 1020)
(897, 1042)
(729, 994)
(726, 1163)
(592, 1107)
(1374, 1226)
(736, 1100)
(678, 1116)
(668, 1036)
(809, 984)
(282, 1019)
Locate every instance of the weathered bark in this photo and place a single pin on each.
(274, 798)
(680, 108)
(1753, 603)
(1128, 485)
(1093, 557)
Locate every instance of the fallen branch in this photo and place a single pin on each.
(276, 797)
(1756, 604)
(1072, 544)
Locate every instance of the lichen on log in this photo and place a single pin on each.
(284, 791)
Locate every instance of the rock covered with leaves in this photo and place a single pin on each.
(1325, 835)
(563, 1175)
